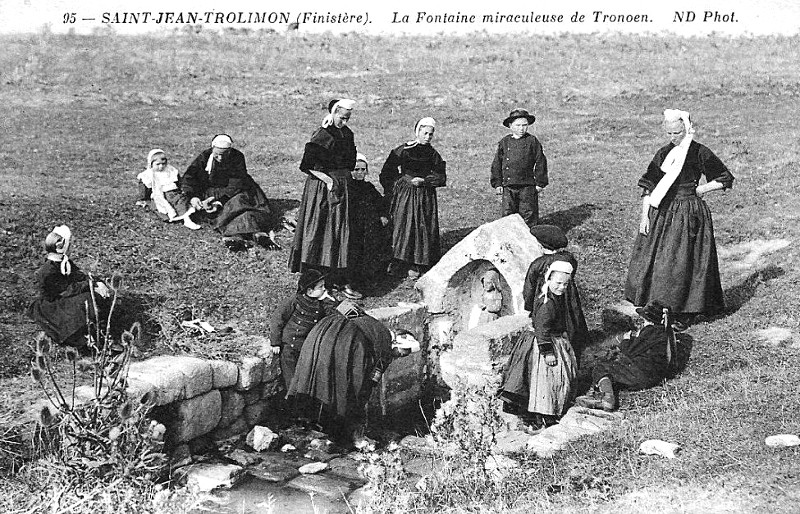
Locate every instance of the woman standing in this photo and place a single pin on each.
(674, 259)
(323, 227)
(411, 174)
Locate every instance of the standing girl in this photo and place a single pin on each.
(538, 378)
(411, 174)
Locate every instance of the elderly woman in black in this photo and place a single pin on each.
(218, 184)
(323, 220)
(674, 257)
(410, 176)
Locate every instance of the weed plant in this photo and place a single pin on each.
(102, 435)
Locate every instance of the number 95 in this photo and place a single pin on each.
(69, 17)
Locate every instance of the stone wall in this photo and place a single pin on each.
(221, 399)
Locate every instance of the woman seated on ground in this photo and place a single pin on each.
(554, 243)
(643, 360)
(537, 382)
(342, 359)
(218, 184)
(65, 301)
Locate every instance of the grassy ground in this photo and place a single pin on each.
(80, 113)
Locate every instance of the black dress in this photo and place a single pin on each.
(676, 264)
(323, 219)
(414, 210)
(641, 363)
(61, 309)
(337, 360)
(245, 208)
(370, 241)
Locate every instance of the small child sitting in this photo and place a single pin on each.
(294, 318)
(519, 169)
(65, 293)
(370, 241)
(160, 182)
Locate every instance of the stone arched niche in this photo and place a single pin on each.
(505, 245)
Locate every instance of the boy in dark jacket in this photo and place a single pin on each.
(519, 169)
(294, 318)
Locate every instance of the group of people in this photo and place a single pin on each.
(673, 278)
(215, 187)
(343, 220)
(346, 230)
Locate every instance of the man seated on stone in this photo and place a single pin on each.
(218, 184)
(342, 359)
(642, 361)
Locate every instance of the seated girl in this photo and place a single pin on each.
(161, 180)
(537, 382)
(65, 299)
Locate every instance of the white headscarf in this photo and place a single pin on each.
(66, 235)
(423, 122)
(361, 157)
(344, 103)
(673, 162)
(562, 266)
(220, 141)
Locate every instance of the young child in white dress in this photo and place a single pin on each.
(161, 180)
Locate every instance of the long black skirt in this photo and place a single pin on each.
(247, 212)
(64, 319)
(415, 214)
(323, 227)
(676, 264)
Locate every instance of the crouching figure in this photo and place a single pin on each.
(342, 359)
(642, 361)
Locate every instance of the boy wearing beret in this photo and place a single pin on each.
(519, 169)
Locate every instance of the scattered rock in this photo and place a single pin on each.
(327, 486)
(274, 468)
(347, 468)
(313, 468)
(288, 448)
(319, 455)
(365, 444)
(659, 447)
(360, 497)
(260, 438)
(207, 477)
(244, 458)
(500, 465)
(322, 444)
(782, 440)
